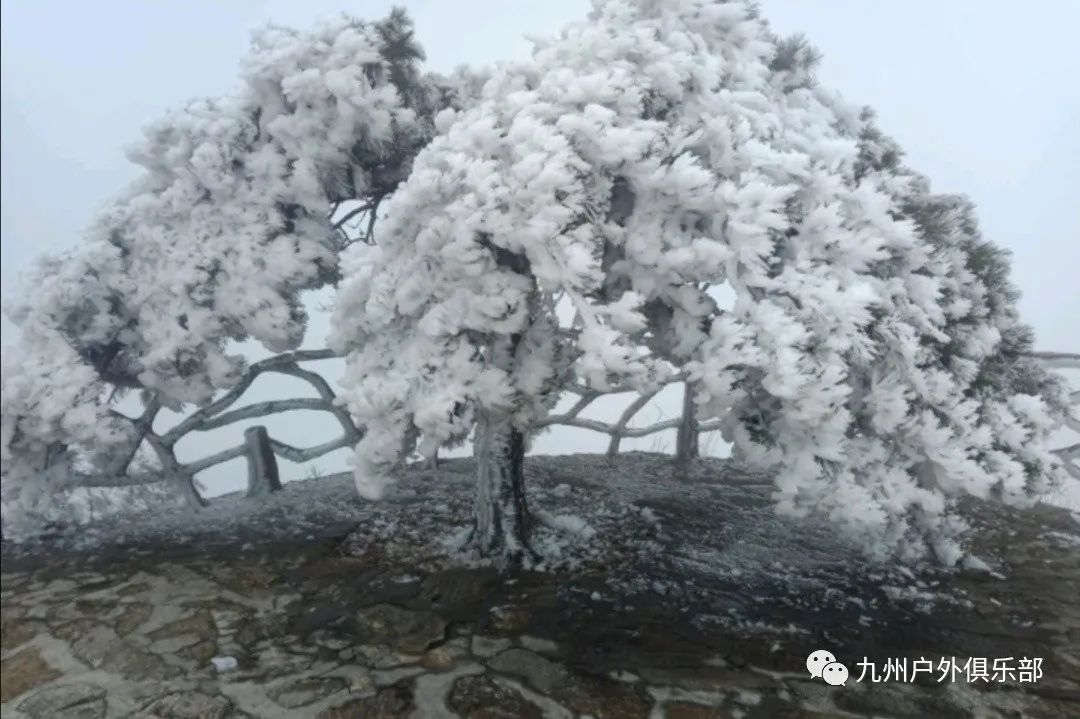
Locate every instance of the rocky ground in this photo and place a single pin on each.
(664, 594)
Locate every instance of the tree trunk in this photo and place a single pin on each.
(184, 484)
(500, 516)
(263, 477)
(686, 441)
(182, 480)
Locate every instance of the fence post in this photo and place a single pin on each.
(263, 475)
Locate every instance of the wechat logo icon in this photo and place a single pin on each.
(823, 665)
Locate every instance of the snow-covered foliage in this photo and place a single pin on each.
(568, 218)
(52, 417)
(219, 237)
(662, 147)
(958, 406)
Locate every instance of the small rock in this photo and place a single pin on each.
(302, 692)
(390, 703)
(199, 625)
(407, 630)
(173, 645)
(100, 648)
(456, 592)
(388, 677)
(201, 652)
(478, 697)
(358, 680)
(275, 661)
(186, 705)
(510, 619)
(22, 672)
(247, 580)
(132, 588)
(131, 617)
(16, 632)
(383, 589)
(692, 710)
(541, 674)
(891, 700)
(705, 678)
(444, 656)
(538, 645)
(604, 698)
(380, 656)
(68, 701)
(486, 647)
(624, 676)
(328, 639)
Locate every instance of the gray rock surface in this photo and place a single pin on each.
(701, 607)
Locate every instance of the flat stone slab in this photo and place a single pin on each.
(407, 630)
(23, 671)
(66, 701)
(687, 604)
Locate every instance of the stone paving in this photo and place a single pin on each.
(316, 634)
(96, 643)
(337, 629)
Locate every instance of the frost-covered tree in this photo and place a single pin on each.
(960, 407)
(245, 202)
(661, 148)
(576, 179)
(947, 402)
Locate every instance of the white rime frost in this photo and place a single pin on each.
(658, 149)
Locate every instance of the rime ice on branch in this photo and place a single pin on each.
(245, 203)
(571, 222)
(660, 149)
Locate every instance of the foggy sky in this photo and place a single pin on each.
(983, 96)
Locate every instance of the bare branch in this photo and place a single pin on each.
(367, 207)
(652, 428)
(1058, 360)
(223, 456)
(262, 409)
(594, 425)
(351, 432)
(369, 236)
(1069, 453)
(295, 454)
(143, 425)
(581, 389)
(197, 418)
(99, 481)
(634, 408)
(624, 419)
(584, 401)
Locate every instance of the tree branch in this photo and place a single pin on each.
(100, 481)
(624, 419)
(367, 207)
(263, 409)
(276, 363)
(295, 454)
(1057, 360)
(1069, 453)
(223, 456)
